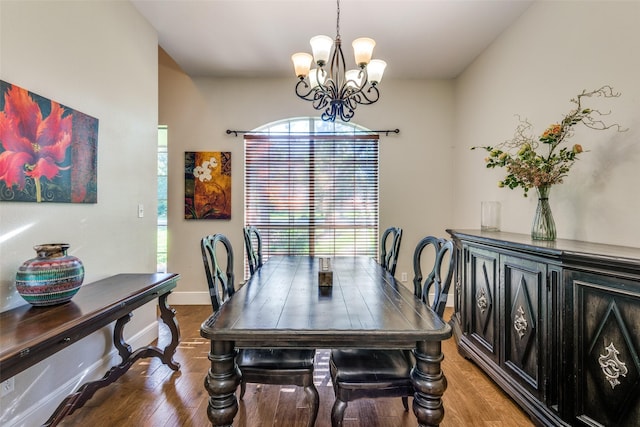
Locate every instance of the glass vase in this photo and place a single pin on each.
(543, 228)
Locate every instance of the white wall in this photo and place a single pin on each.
(555, 50)
(415, 175)
(99, 58)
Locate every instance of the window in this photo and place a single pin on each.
(311, 188)
(161, 249)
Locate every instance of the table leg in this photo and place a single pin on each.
(221, 383)
(429, 383)
(168, 316)
(77, 399)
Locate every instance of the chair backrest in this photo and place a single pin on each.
(389, 254)
(253, 244)
(221, 284)
(437, 280)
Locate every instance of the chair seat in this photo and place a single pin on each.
(363, 366)
(276, 358)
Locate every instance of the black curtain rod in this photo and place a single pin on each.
(386, 132)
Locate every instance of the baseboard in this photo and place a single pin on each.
(39, 412)
(189, 298)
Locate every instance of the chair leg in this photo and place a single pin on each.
(243, 388)
(314, 402)
(405, 403)
(337, 413)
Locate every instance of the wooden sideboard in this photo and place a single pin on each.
(555, 324)
(31, 334)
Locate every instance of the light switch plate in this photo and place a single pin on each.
(7, 387)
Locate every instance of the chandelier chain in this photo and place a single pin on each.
(338, 21)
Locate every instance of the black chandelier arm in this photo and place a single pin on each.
(338, 65)
(328, 115)
(320, 100)
(347, 113)
(302, 92)
(351, 103)
(364, 99)
(363, 75)
(339, 108)
(330, 89)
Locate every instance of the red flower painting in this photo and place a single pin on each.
(40, 144)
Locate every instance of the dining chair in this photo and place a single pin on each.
(257, 365)
(423, 289)
(221, 284)
(389, 253)
(367, 373)
(254, 250)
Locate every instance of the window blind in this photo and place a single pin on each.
(313, 194)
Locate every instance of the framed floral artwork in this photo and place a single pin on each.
(48, 151)
(207, 185)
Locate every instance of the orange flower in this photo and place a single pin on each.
(553, 130)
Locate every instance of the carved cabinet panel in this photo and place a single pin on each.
(482, 299)
(607, 350)
(523, 287)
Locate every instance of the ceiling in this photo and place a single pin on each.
(435, 39)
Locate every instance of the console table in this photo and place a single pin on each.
(555, 324)
(31, 334)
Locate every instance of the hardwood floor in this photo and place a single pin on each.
(151, 394)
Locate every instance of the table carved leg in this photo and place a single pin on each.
(77, 399)
(221, 383)
(168, 316)
(429, 383)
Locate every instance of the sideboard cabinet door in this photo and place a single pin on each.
(482, 300)
(606, 331)
(524, 309)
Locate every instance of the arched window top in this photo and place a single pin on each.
(310, 125)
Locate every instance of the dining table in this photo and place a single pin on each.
(285, 305)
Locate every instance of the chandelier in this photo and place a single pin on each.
(335, 89)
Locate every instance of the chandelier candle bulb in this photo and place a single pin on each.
(317, 77)
(321, 47)
(363, 50)
(301, 63)
(376, 70)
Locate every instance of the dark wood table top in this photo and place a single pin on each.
(283, 306)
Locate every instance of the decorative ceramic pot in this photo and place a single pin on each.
(52, 278)
(544, 227)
